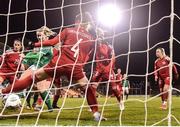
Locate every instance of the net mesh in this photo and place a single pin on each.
(62, 11)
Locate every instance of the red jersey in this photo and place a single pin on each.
(119, 78)
(11, 61)
(162, 65)
(104, 56)
(76, 44)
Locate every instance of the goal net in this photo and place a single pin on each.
(140, 28)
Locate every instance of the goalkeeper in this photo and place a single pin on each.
(36, 59)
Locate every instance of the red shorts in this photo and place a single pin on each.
(164, 81)
(6, 74)
(119, 87)
(101, 75)
(65, 66)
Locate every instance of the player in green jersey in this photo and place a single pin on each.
(36, 59)
(126, 86)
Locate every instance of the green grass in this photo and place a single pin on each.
(133, 115)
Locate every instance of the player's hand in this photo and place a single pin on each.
(156, 78)
(176, 76)
(31, 45)
(22, 55)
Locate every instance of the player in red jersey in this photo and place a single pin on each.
(69, 61)
(119, 79)
(11, 62)
(105, 58)
(162, 74)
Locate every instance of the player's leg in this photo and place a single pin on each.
(45, 96)
(57, 83)
(117, 91)
(28, 99)
(115, 86)
(43, 86)
(165, 90)
(55, 99)
(1, 79)
(26, 80)
(91, 92)
(35, 100)
(161, 85)
(127, 92)
(91, 98)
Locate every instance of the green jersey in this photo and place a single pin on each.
(40, 58)
(125, 83)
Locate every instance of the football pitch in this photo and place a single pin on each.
(133, 115)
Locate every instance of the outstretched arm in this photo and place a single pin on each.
(61, 36)
(155, 72)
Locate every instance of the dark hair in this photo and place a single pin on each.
(18, 39)
(84, 18)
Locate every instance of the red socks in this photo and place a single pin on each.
(91, 99)
(165, 96)
(55, 100)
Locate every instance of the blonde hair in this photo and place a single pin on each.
(48, 32)
(162, 50)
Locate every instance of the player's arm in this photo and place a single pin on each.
(113, 58)
(155, 71)
(61, 36)
(1, 59)
(175, 72)
(174, 68)
(23, 68)
(129, 85)
(32, 56)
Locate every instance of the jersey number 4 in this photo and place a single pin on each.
(75, 48)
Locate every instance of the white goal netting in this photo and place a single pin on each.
(145, 25)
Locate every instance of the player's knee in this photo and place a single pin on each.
(94, 85)
(166, 88)
(40, 75)
(83, 82)
(161, 89)
(1, 80)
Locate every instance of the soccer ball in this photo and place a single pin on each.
(12, 101)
